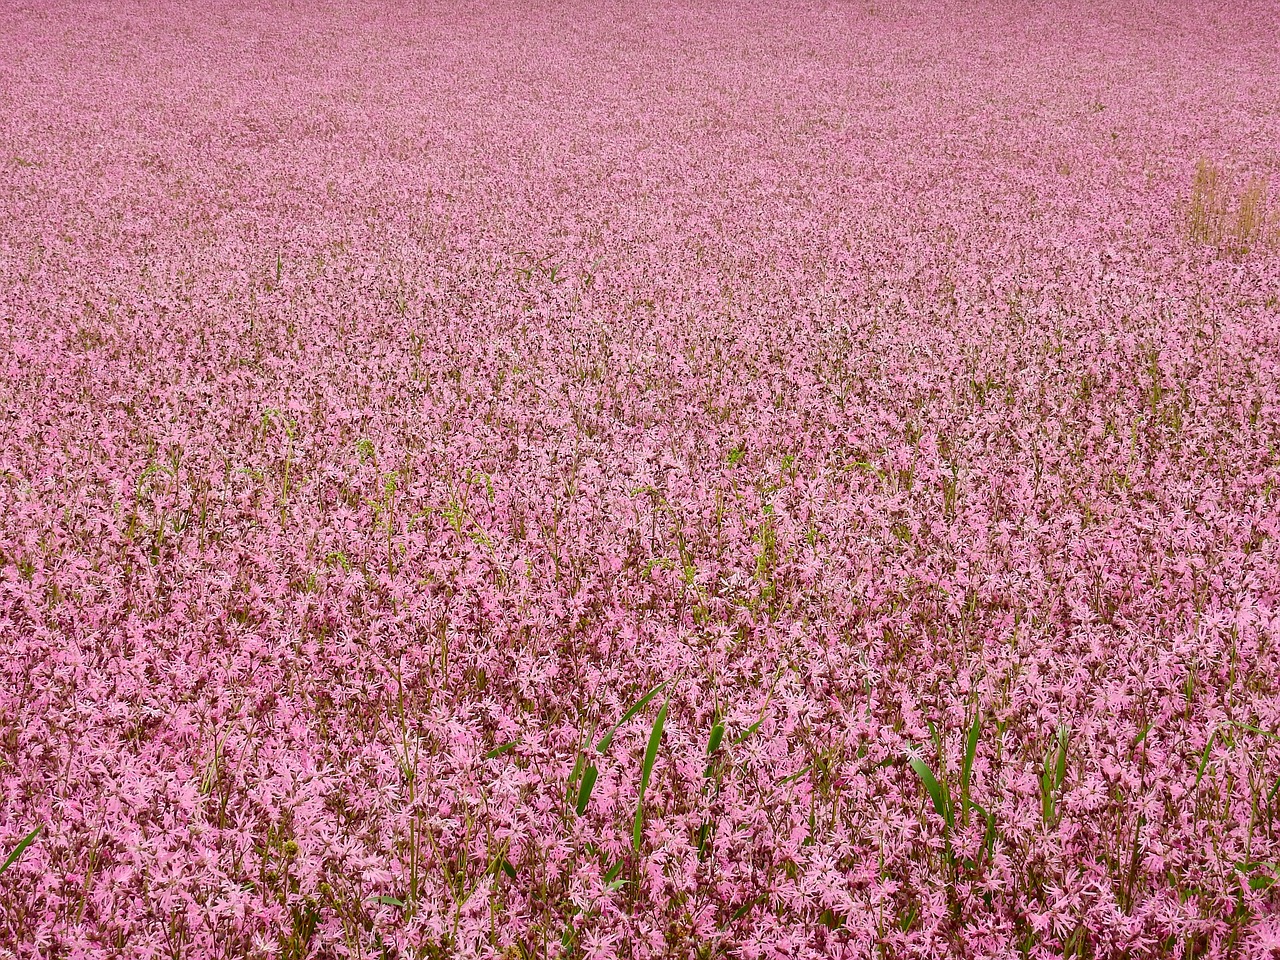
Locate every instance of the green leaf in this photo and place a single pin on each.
(798, 774)
(908, 918)
(1060, 773)
(613, 872)
(1137, 741)
(743, 910)
(572, 790)
(717, 735)
(966, 769)
(646, 771)
(1204, 758)
(989, 837)
(713, 744)
(499, 751)
(1261, 876)
(704, 835)
(937, 791)
(639, 705)
(18, 851)
(1252, 729)
(588, 784)
(749, 731)
(1053, 775)
(573, 778)
(388, 901)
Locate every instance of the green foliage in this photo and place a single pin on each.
(646, 771)
(20, 849)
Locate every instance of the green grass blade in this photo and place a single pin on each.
(746, 908)
(18, 851)
(989, 836)
(574, 776)
(1060, 772)
(704, 835)
(798, 774)
(966, 769)
(1204, 758)
(646, 771)
(571, 791)
(1270, 734)
(499, 751)
(503, 864)
(713, 744)
(1047, 806)
(639, 705)
(748, 732)
(1137, 741)
(717, 737)
(937, 792)
(612, 880)
(613, 872)
(588, 784)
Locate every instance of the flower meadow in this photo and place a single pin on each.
(667, 479)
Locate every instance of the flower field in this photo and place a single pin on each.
(652, 480)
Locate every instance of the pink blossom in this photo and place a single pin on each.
(394, 396)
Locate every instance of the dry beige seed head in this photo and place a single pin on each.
(1208, 204)
(1251, 215)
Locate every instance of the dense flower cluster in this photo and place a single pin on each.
(663, 479)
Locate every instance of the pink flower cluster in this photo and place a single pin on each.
(662, 479)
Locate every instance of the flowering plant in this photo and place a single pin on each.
(662, 480)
